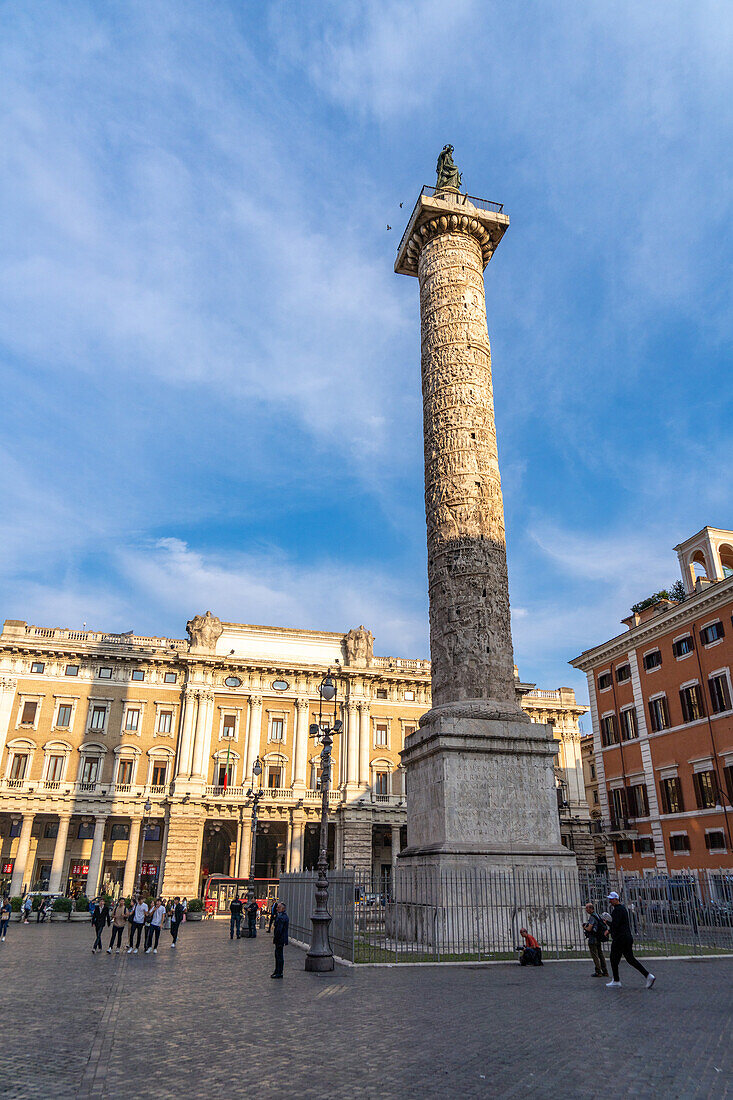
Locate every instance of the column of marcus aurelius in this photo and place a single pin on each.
(480, 782)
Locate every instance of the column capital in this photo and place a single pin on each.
(302, 702)
(352, 706)
(8, 683)
(255, 700)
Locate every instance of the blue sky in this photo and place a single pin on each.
(210, 373)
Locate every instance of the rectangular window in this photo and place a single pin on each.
(623, 673)
(132, 719)
(29, 714)
(90, 770)
(658, 714)
(629, 727)
(652, 660)
(679, 843)
(618, 807)
(99, 715)
(159, 771)
(170, 678)
(105, 673)
(644, 845)
(138, 674)
(604, 681)
(609, 736)
(381, 783)
(277, 729)
(692, 705)
(729, 780)
(380, 734)
(381, 693)
(410, 696)
(595, 798)
(719, 693)
(152, 832)
(17, 768)
(72, 670)
(225, 775)
(37, 666)
(671, 794)
(51, 830)
(712, 633)
(86, 830)
(624, 847)
(638, 802)
(120, 832)
(715, 840)
(55, 768)
(409, 729)
(15, 829)
(274, 777)
(706, 790)
(683, 646)
(124, 771)
(63, 718)
(165, 721)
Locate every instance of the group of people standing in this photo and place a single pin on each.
(278, 923)
(140, 917)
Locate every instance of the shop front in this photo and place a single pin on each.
(113, 877)
(76, 882)
(6, 875)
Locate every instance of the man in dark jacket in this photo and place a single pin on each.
(596, 933)
(235, 919)
(176, 911)
(100, 920)
(280, 938)
(252, 910)
(621, 943)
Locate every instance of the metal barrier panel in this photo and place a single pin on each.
(428, 915)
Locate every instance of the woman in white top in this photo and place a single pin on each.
(139, 912)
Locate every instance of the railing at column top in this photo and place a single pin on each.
(460, 200)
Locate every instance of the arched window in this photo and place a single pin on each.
(726, 560)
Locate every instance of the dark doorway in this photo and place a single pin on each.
(311, 845)
(270, 854)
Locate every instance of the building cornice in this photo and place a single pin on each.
(682, 614)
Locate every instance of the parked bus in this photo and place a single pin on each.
(220, 890)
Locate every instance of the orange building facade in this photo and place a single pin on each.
(661, 705)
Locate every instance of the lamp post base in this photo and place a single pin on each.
(319, 959)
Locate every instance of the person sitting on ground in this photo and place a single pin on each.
(531, 953)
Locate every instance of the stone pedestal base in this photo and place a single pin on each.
(484, 855)
(183, 856)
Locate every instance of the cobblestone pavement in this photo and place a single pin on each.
(205, 1019)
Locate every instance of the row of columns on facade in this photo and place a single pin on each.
(59, 853)
(197, 725)
(243, 854)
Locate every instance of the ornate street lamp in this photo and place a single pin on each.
(146, 814)
(320, 956)
(255, 795)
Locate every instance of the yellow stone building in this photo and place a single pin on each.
(101, 734)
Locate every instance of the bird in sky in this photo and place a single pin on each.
(400, 206)
(389, 227)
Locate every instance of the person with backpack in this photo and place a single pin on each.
(622, 943)
(120, 913)
(596, 932)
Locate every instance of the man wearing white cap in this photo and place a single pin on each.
(622, 942)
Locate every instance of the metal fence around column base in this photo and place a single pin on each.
(436, 915)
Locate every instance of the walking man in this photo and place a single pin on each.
(41, 911)
(252, 909)
(139, 913)
(120, 913)
(27, 906)
(235, 920)
(622, 943)
(280, 938)
(100, 920)
(596, 932)
(176, 919)
(156, 923)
